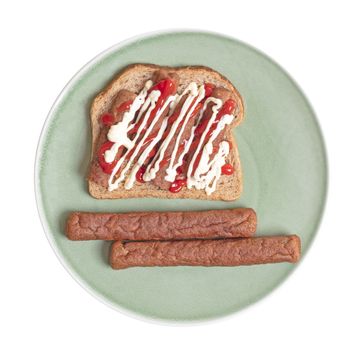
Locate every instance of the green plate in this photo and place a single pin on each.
(285, 178)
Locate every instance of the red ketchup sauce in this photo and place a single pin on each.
(107, 119)
(177, 185)
(125, 106)
(227, 169)
(227, 108)
(140, 173)
(106, 167)
(208, 89)
(167, 87)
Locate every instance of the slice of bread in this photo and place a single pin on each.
(133, 78)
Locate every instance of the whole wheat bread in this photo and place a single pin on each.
(133, 78)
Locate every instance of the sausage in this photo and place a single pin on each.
(157, 76)
(162, 74)
(121, 97)
(240, 222)
(159, 180)
(96, 174)
(220, 252)
(222, 94)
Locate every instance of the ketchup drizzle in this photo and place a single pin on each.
(177, 185)
(166, 87)
(227, 169)
(140, 173)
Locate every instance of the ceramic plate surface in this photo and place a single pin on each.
(283, 160)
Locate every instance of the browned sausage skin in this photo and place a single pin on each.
(239, 222)
(220, 252)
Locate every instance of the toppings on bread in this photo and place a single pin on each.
(166, 132)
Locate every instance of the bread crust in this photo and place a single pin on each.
(133, 78)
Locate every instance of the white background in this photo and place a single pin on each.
(43, 44)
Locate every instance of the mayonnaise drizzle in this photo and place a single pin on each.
(207, 173)
(129, 185)
(152, 99)
(118, 132)
(171, 170)
(211, 178)
(174, 103)
(193, 91)
(215, 110)
(204, 164)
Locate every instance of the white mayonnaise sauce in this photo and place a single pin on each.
(154, 166)
(206, 174)
(171, 170)
(151, 100)
(211, 178)
(129, 185)
(215, 110)
(208, 149)
(118, 132)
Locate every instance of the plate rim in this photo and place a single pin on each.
(40, 206)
